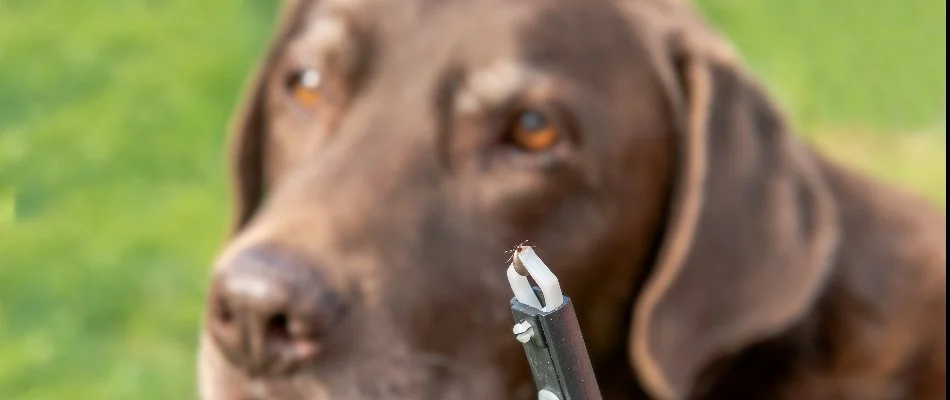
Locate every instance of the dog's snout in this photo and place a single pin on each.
(271, 311)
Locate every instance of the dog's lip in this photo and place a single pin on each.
(244, 387)
(270, 389)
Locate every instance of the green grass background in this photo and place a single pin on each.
(112, 181)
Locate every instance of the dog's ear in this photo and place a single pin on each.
(248, 132)
(751, 232)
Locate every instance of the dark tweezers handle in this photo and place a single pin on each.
(553, 343)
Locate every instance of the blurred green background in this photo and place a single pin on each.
(113, 189)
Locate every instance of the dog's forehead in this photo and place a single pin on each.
(504, 48)
(477, 28)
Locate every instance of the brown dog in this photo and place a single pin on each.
(390, 152)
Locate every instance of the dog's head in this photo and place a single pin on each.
(390, 152)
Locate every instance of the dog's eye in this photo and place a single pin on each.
(304, 86)
(533, 131)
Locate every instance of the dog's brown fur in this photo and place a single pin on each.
(710, 253)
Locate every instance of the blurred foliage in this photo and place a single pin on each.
(113, 188)
(112, 119)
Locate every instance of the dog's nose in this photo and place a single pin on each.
(270, 311)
